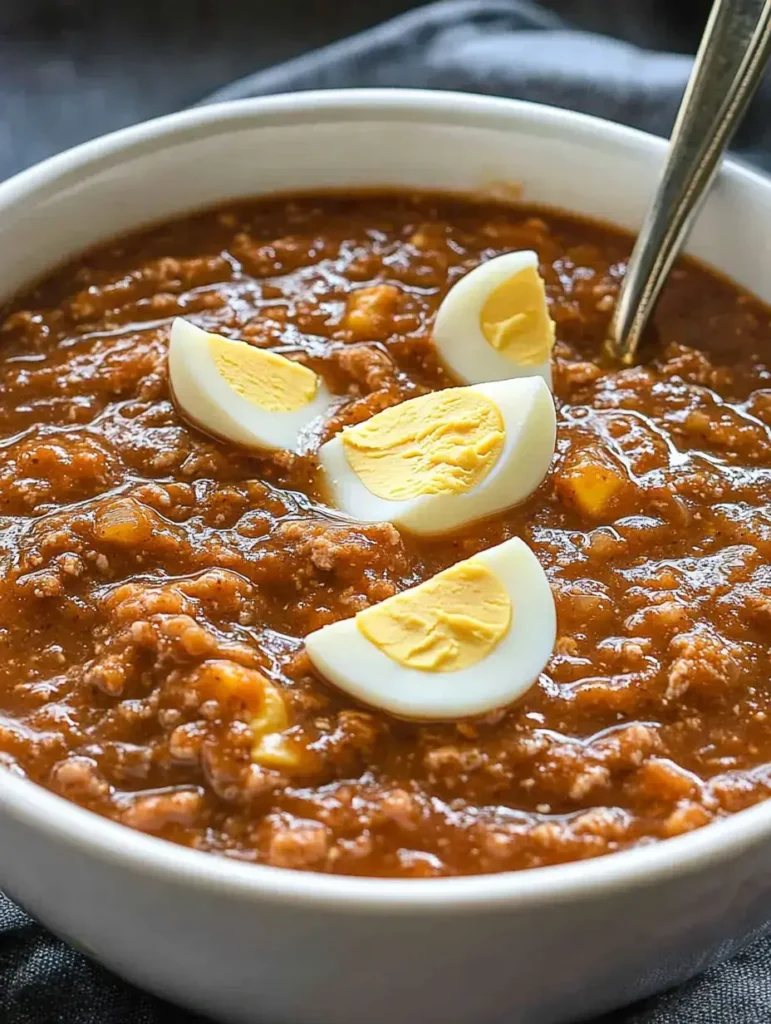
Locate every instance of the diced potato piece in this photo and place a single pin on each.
(124, 522)
(370, 311)
(227, 681)
(428, 236)
(591, 483)
(271, 748)
(273, 716)
(275, 751)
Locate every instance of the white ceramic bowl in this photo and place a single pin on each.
(261, 944)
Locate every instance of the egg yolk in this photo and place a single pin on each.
(447, 623)
(515, 319)
(265, 379)
(445, 442)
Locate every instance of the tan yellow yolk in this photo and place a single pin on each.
(266, 379)
(447, 623)
(515, 319)
(442, 443)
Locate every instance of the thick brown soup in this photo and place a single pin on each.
(156, 583)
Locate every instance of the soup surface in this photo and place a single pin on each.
(152, 576)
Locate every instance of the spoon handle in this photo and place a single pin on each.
(734, 50)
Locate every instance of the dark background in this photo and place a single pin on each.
(73, 69)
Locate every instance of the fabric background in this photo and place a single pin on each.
(74, 69)
(501, 47)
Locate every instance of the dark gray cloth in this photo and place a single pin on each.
(501, 48)
(508, 48)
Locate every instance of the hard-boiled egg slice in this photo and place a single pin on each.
(244, 394)
(494, 323)
(435, 463)
(469, 640)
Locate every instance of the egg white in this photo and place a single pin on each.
(527, 409)
(458, 335)
(344, 656)
(208, 400)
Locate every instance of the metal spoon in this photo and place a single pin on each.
(729, 65)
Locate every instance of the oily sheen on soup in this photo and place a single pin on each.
(161, 574)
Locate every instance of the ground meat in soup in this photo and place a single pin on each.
(157, 583)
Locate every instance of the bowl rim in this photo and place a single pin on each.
(67, 823)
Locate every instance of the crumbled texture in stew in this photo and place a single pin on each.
(157, 584)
